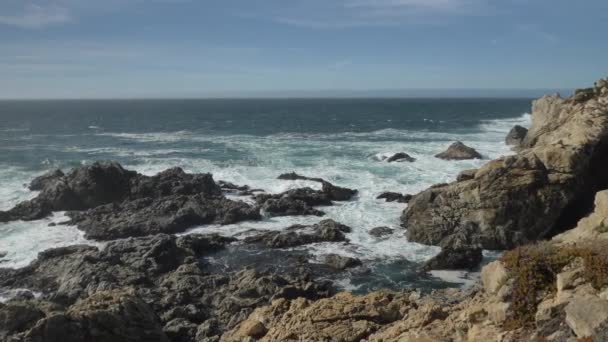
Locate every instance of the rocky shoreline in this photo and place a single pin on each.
(147, 284)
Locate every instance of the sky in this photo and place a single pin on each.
(209, 48)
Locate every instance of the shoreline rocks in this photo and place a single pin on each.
(400, 157)
(394, 197)
(459, 151)
(542, 190)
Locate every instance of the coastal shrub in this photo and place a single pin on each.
(535, 267)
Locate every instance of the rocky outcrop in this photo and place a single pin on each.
(459, 151)
(109, 202)
(546, 187)
(395, 197)
(301, 201)
(400, 157)
(333, 192)
(340, 262)
(592, 227)
(516, 135)
(133, 288)
(298, 235)
(381, 231)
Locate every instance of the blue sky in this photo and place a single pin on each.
(190, 48)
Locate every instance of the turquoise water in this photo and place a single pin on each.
(251, 142)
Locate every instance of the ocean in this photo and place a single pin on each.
(252, 141)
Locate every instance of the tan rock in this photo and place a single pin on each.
(493, 277)
(594, 226)
(588, 317)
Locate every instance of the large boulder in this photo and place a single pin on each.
(546, 187)
(400, 157)
(516, 135)
(459, 151)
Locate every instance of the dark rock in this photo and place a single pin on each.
(459, 151)
(108, 202)
(295, 176)
(466, 175)
(3, 254)
(455, 259)
(582, 95)
(297, 235)
(516, 135)
(239, 190)
(16, 317)
(293, 202)
(394, 197)
(381, 231)
(171, 214)
(337, 193)
(149, 286)
(41, 182)
(400, 157)
(341, 262)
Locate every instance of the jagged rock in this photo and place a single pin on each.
(380, 231)
(17, 317)
(105, 316)
(516, 135)
(466, 175)
(592, 227)
(340, 262)
(341, 318)
(169, 214)
(239, 190)
(548, 184)
(165, 273)
(400, 157)
(588, 317)
(295, 176)
(455, 259)
(582, 95)
(333, 192)
(109, 202)
(293, 202)
(459, 151)
(336, 193)
(493, 277)
(41, 182)
(297, 235)
(394, 197)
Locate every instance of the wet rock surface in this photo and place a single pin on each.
(395, 197)
(381, 231)
(298, 235)
(109, 202)
(400, 157)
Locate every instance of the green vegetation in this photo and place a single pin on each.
(535, 267)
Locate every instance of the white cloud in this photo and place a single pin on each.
(355, 13)
(34, 16)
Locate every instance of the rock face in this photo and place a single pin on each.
(592, 227)
(298, 235)
(394, 197)
(401, 157)
(516, 135)
(109, 202)
(459, 151)
(546, 187)
(151, 288)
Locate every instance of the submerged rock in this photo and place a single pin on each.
(459, 151)
(395, 197)
(516, 135)
(295, 176)
(297, 235)
(381, 231)
(400, 157)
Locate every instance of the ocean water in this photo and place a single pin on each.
(251, 142)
